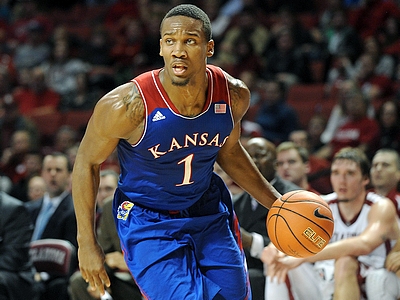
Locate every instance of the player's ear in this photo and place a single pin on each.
(160, 47)
(210, 48)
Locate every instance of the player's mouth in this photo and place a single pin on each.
(179, 69)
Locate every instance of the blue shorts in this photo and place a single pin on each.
(192, 254)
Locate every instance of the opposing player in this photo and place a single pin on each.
(174, 215)
(365, 227)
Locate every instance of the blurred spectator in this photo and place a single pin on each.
(372, 84)
(243, 43)
(344, 92)
(35, 50)
(367, 18)
(61, 70)
(388, 118)
(342, 39)
(65, 138)
(276, 118)
(11, 120)
(37, 98)
(303, 40)
(31, 166)
(389, 36)
(385, 64)
(315, 128)
(287, 61)
(318, 175)
(16, 270)
(358, 131)
(54, 217)
(84, 97)
(12, 159)
(292, 164)
(326, 15)
(385, 175)
(36, 188)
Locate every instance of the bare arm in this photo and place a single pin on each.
(382, 226)
(118, 115)
(234, 159)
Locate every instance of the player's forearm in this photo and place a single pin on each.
(85, 181)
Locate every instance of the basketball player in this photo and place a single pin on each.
(174, 215)
(365, 225)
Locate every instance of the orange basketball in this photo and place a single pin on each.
(300, 223)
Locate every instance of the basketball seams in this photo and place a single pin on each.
(293, 234)
(300, 215)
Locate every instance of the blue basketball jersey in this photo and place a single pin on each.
(170, 167)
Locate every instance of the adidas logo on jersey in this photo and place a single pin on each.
(158, 116)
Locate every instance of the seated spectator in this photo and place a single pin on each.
(31, 166)
(385, 63)
(84, 97)
(276, 118)
(37, 98)
(341, 38)
(318, 175)
(61, 69)
(338, 116)
(36, 188)
(12, 160)
(243, 43)
(251, 215)
(16, 270)
(365, 226)
(358, 131)
(292, 164)
(385, 175)
(35, 50)
(368, 18)
(389, 36)
(286, 62)
(11, 120)
(388, 118)
(54, 218)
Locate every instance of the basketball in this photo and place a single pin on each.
(300, 223)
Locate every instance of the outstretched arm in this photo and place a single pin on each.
(118, 115)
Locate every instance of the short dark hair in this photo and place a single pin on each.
(191, 11)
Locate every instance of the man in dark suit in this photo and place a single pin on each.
(54, 218)
(16, 272)
(252, 216)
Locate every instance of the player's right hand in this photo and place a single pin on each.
(91, 265)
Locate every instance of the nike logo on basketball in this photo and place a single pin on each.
(319, 215)
(158, 116)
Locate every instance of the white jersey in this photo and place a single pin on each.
(355, 227)
(316, 281)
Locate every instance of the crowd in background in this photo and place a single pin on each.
(63, 56)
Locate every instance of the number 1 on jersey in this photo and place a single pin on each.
(187, 170)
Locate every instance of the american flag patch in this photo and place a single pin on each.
(220, 108)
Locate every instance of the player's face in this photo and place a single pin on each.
(290, 166)
(384, 172)
(347, 180)
(184, 48)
